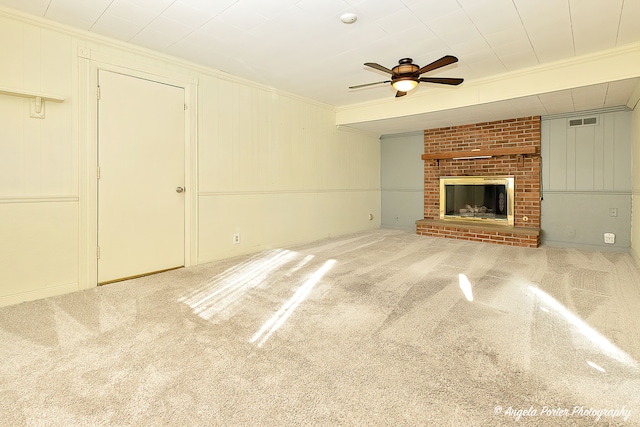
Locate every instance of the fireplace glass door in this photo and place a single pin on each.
(477, 198)
(479, 201)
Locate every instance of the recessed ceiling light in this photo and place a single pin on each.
(349, 18)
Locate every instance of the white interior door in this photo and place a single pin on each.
(141, 149)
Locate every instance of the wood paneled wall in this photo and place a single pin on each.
(586, 171)
(587, 158)
(270, 165)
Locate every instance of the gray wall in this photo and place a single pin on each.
(402, 180)
(586, 172)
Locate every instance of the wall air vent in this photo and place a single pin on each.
(587, 121)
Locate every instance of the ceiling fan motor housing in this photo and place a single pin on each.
(405, 70)
(405, 66)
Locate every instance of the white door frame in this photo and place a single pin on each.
(88, 65)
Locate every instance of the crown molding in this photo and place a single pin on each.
(189, 66)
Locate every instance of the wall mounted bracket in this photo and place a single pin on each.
(37, 99)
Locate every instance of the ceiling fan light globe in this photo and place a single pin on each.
(404, 85)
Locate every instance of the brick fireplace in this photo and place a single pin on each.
(514, 149)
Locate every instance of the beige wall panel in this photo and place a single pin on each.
(635, 226)
(635, 138)
(221, 145)
(39, 250)
(11, 53)
(58, 144)
(39, 156)
(12, 112)
(32, 59)
(358, 164)
(259, 141)
(348, 211)
(295, 177)
(268, 220)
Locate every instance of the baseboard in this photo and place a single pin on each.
(38, 294)
(601, 248)
(635, 257)
(410, 228)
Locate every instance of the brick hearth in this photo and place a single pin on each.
(504, 134)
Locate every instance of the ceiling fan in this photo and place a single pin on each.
(406, 75)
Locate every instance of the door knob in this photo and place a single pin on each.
(179, 189)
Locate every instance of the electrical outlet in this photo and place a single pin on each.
(236, 238)
(609, 238)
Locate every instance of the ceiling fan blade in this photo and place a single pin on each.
(442, 80)
(378, 67)
(445, 60)
(369, 84)
(400, 93)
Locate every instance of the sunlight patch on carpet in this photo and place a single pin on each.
(281, 316)
(228, 287)
(596, 366)
(465, 286)
(607, 347)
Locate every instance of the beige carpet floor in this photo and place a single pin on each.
(375, 328)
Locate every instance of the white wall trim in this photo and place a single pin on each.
(356, 131)
(599, 193)
(583, 113)
(403, 190)
(38, 199)
(634, 98)
(403, 134)
(38, 294)
(136, 69)
(305, 191)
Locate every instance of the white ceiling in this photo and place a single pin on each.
(302, 47)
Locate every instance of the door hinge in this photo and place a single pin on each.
(98, 93)
(98, 172)
(186, 107)
(98, 252)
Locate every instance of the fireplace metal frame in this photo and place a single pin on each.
(505, 180)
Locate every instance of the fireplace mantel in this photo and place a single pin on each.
(488, 152)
